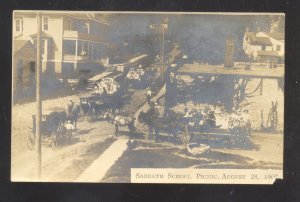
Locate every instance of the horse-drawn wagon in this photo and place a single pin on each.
(53, 129)
(202, 126)
(96, 106)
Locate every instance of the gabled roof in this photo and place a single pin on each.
(20, 44)
(44, 35)
(254, 40)
(260, 41)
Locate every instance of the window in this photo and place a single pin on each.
(278, 48)
(263, 47)
(19, 25)
(94, 51)
(100, 51)
(32, 67)
(69, 47)
(82, 48)
(45, 23)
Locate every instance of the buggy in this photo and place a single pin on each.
(53, 129)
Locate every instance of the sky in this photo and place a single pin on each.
(200, 36)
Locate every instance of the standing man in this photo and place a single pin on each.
(70, 108)
(149, 95)
(171, 92)
(153, 121)
(156, 121)
(70, 103)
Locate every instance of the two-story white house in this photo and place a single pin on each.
(264, 46)
(71, 43)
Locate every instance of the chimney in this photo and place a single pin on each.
(229, 54)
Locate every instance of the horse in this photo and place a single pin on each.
(121, 121)
(170, 123)
(149, 118)
(56, 120)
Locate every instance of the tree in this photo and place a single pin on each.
(277, 24)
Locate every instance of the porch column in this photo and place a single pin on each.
(76, 53)
(45, 55)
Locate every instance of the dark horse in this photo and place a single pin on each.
(168, 124)
(73, 112)
(114, 103)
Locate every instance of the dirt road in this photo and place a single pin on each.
(89, 142)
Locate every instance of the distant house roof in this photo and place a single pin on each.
(267, 53)
(254, 40)
(24, 49)
(87, 16)
(278, 36)
(19, 44)
(79, 15)
(261, 41)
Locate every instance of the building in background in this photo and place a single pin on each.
(72, 44)
(24, 54)
(264, 46)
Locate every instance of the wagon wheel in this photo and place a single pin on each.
(30, 141)
(69, 137)
(54, 140)
(53, 145)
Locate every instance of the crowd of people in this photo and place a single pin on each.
(106, 86)
(135, 74)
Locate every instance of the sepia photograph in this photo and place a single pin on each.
(147, 97)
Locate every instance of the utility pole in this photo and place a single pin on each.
(161, 28)
(162, 53)
(38, 98)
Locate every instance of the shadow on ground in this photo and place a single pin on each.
(85, 131)
(152, 155)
